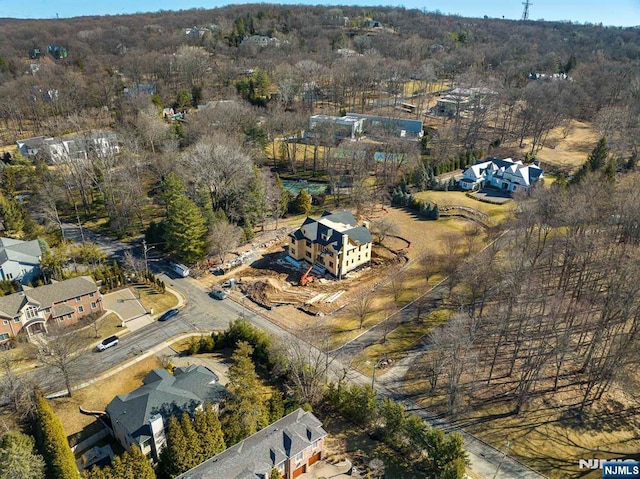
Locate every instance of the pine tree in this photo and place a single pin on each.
(276, 406)
(52, 442)
(275, 474)
(186, 230)
(173, 458)
(244, 412)
(18, 459)
(193, 454)
(172, 187)
(302, 203)
(214, 429)
(597, 159)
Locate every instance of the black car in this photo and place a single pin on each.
(169, 314)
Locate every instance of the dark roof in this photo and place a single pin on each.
(257, 455)
(45, 296)
(330, 228)
(165, 394)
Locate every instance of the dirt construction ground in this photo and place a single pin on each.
(272, 282)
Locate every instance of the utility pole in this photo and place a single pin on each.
(145, 249)
(525, 13)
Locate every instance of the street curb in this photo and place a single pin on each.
(122, 366)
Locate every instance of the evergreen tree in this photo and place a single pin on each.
(173, 457)
(245, 411)
(12, 215)
(18, 459)
(302, 203)
(275, 474)
(193, 454)
(130, 465)
(216, 442)
(185, 230)
(597, 159)
(52, 442)
(171, 187)
(276, 406)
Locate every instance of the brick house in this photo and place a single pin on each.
(291, 445)
(63, 303)
(334, 242)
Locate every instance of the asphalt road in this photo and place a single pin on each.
(203, 313)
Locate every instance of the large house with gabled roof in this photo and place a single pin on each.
(334, 242)
(62, 303)
(19, 260)
(291, 445)
(504, 174)
(141, 417)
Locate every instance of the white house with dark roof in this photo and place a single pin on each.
(19, 260)
(334, 241)
(291, 445)
(141, 416)
(62, 303)
(503, 174)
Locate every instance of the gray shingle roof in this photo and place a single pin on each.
(256, 456)
(330, 228)
(46, 295)
(165, 394)
(21, 251)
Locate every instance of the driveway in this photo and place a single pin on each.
(124, 303)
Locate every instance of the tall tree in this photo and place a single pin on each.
(186, 230)
(173, 459)
(245, 411)
(207, 425)
(52, 443)
(18, 459)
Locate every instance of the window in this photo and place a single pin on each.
(5, 322)
(93, 305)
(316, 443)
(47, 310)
(31, 312)
(293, 251)
(308, 244)
(9, 276)
(16, 320)
(68, 316)
(299, 457)
(330, 264)
(4, 336)
(91, 295)
(80, 309)
(358, 258)
(308, 254)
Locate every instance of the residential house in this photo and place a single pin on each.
(459, 100)
(343, 127)
(76, 148)
(261, 40)
(355, 125)
(503, 174)
(19, 260)
(334, 243)
(60, 303)
(140, 417)
(384, 126)
(291, 445)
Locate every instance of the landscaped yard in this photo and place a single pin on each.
(150, 297)
(348, 441)
(96, 396)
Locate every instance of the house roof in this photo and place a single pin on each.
(330, 229)
(413, 126)
(499, 167)
(27, 252)
(45, 296)
(165, 394)
(257, 455)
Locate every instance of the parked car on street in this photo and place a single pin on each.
(218, 294)
(169, 314)
(107, 343)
